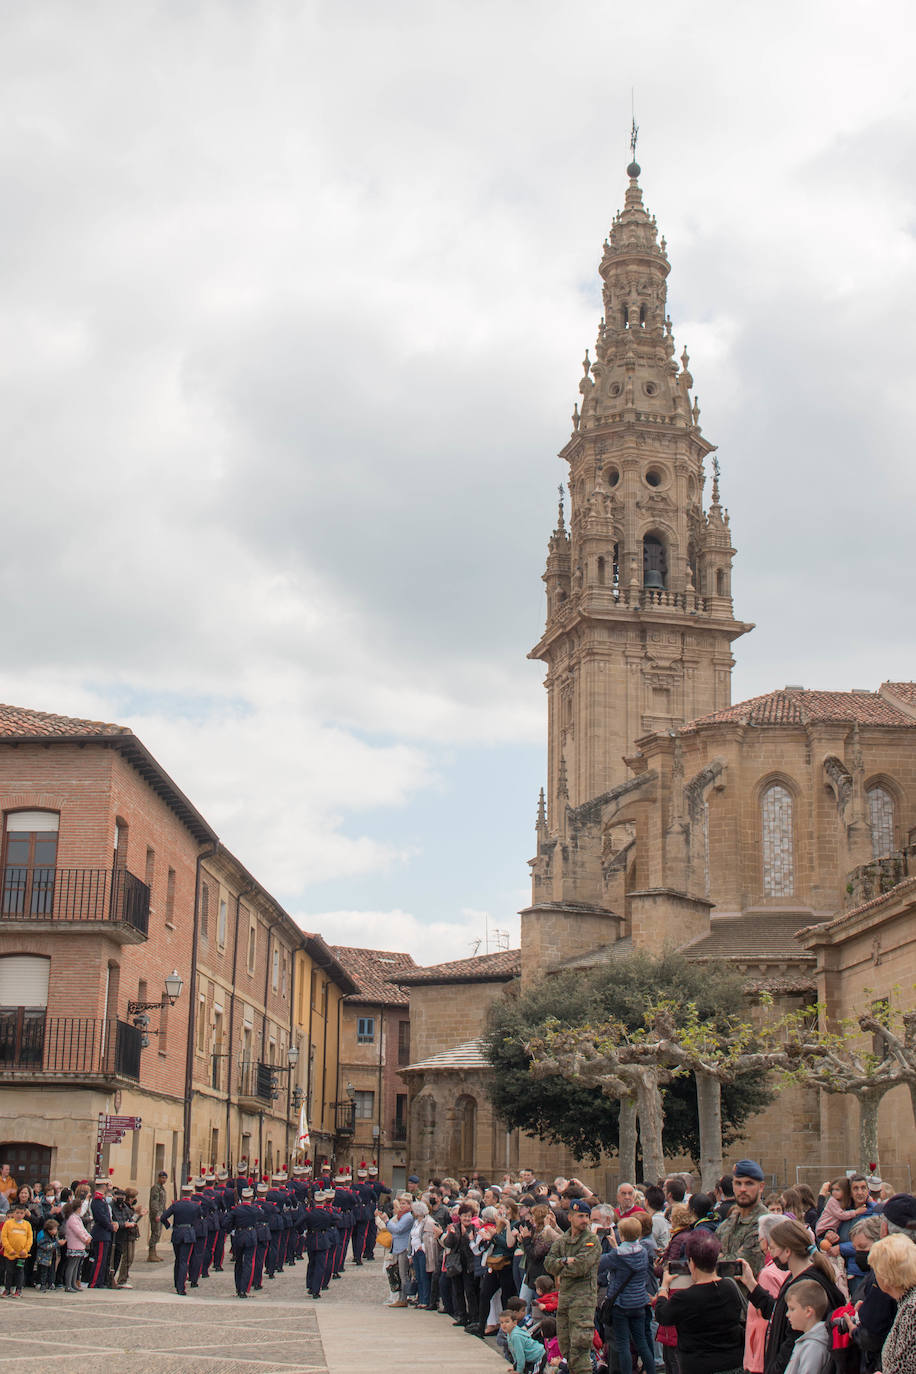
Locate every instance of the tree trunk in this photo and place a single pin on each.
(626, 1140)
(869, 1102)
(651, 1117)
(709, 1112)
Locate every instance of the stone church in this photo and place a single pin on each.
(778, 834)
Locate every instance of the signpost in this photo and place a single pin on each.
(111, 1131)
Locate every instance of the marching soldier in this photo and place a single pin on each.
(243, 1223)
(185, 1213)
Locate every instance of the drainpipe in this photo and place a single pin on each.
(230, 1040)
(192, 1016)
(324, 1063)
(378, 1143)
(292, 1039)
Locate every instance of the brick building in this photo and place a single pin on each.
(112, 880)
(375, 1044)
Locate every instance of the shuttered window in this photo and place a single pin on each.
(24, 980)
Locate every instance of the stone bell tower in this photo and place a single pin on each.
(639, 606)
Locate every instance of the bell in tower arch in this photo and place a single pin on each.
(654, 564)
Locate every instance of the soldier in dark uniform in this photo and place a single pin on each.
(224, 1201)
(243, 1223)
(345, 1201)
(209, 1208)
(262, 1232)
(103, 1233)
(364, 1208)
(183, 1215)
(318, 1242)
(271, 1206)
(336, 1234)
(200, 1234)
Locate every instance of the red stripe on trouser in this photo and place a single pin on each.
(254, 1257)
(98, 1265)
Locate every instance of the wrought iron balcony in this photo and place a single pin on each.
(344, 1118)
(76, 899)
(38, 1047)
(257, 1085)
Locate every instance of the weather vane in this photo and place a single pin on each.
(634, 135)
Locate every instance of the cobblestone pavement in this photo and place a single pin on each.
(150, 1330)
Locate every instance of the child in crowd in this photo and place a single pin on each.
(520, 1307)
(806, 1308)
(547, 1333)
(47, 1249)
(526, 1353)
(78, 1240)
(16, 1243)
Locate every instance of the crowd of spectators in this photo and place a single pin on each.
(666, 1277)
(48, 1230)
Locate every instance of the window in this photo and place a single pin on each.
(284, 977)
(23, 999)
(204, 911)
(252, 942)
(403, 1042)
(201, 1023)
(29, 867)
(365, 1030)
(313, 990)
(275, 971)
(881, 820)
(217, 1060)
(221, 924)
(170, 898)
(778, 842)
(150, 871)
(365, 1106)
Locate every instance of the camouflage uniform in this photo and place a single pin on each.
(578, 1287)
(740, 1239)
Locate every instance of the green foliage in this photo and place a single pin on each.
(584, 1119)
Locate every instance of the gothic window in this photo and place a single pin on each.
(642, 314)
(720, 582)
(600, 572)
(881, 819)
(616, 565)
(778, 842)
(654, 563)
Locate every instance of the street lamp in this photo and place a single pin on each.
(173, 986)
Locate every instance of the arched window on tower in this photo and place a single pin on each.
(626, 318)
(654, 563)
(778, 841)
(720, 582)
(642, 314)
(881, 820)
(616, 577)
(601, 572)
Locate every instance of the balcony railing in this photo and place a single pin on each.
(257, 1081)
(33, 1044)
(344, 1118)
(399, 1132)
(75, 894)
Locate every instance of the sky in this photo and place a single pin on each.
(293, 302)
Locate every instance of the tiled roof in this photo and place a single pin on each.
(19, 721)
(903, 691)
(483, 968)
(601, 954)
(751, 938)
(371, 969)
(468, 1055)
(884, 898)
(797, 707)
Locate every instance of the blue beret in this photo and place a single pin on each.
(748, 1168)
(579, 1204)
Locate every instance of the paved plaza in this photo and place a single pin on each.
(150, 1330)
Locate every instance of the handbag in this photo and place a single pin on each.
(383, 1236)
(666, 1335)
(497, 1262)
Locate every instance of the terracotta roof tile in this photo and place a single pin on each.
(797, 707)
(19, 721)
(751, 938)
(483, 968)
(468, 1055)
(371, 969)
(883, 898)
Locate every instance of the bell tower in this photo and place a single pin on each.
(640, 620)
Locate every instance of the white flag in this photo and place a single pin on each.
(303, 1139)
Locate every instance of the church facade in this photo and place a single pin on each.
(757, 832)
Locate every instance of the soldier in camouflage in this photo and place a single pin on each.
(573, 1262)
(738, 1232)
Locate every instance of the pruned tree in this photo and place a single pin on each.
(836, 1063)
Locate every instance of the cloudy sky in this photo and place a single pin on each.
(293, 298)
